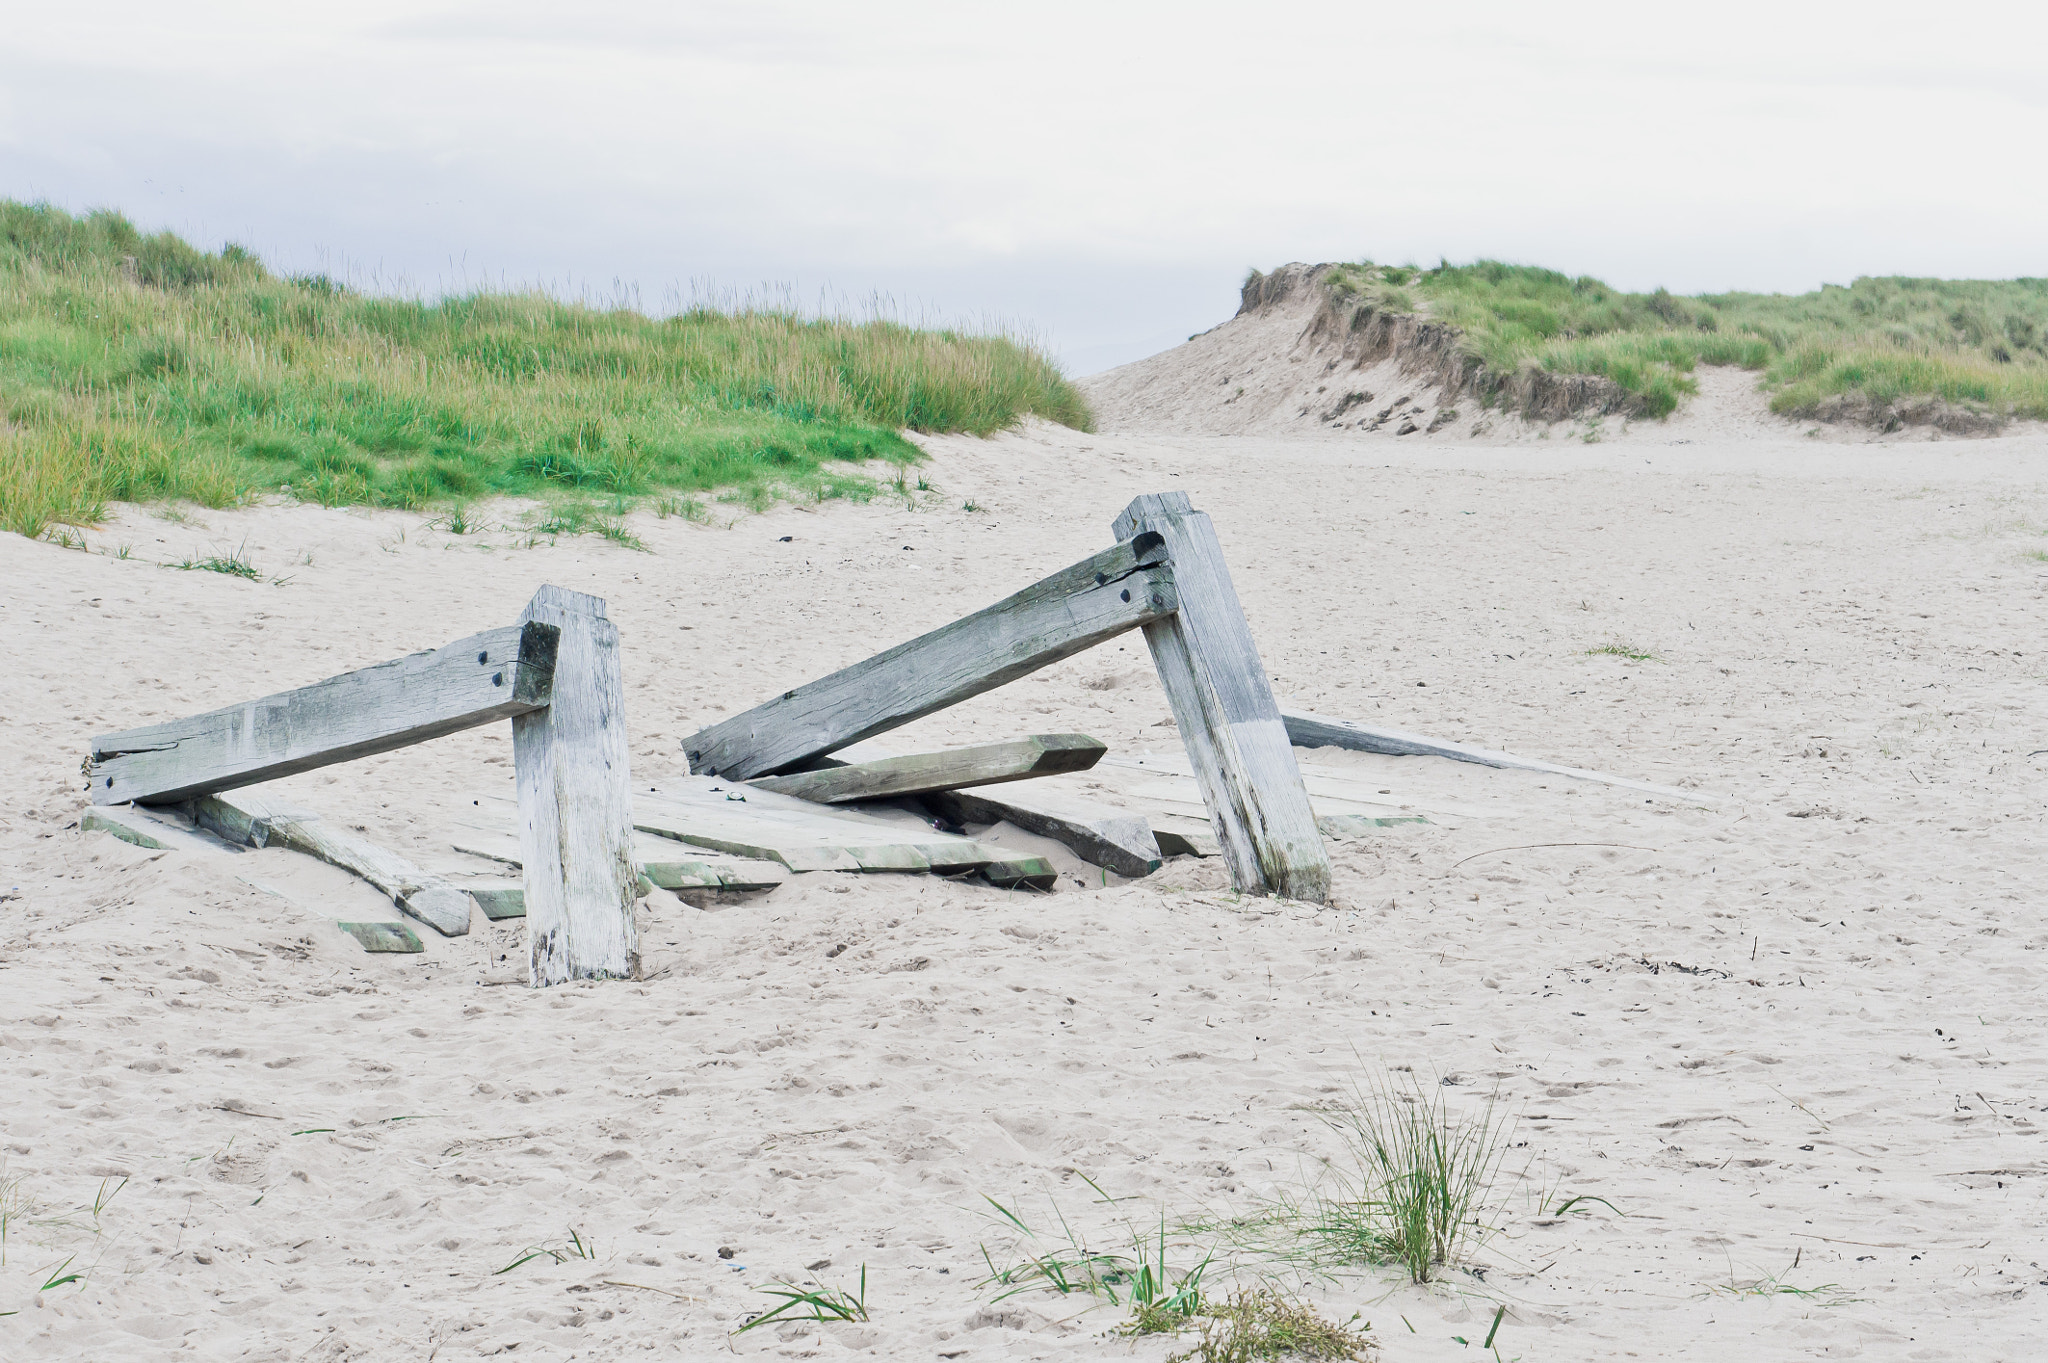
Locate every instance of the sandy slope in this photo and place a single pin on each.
(1799, 1025)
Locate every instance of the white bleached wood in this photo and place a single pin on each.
(255, 819)
(575, 803)
(473, 681)
(1305, 730)
(1114, 839)
(987, 764)
(1098, 598)
(1223, 704)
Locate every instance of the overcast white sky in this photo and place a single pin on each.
(1100, 173)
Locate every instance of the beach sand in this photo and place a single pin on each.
(1790, 1038)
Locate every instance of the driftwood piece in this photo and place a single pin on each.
(473, 681)
(254, 819)
(1305, 730)
(1110, 838)
(948, 769)
(379, 937)
(1098, 598)
(148, 828)
(575, 802)
(1223, 704)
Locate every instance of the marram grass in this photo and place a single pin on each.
(1981, 344)
(139, 368)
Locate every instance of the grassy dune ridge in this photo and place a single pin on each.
(1980, 344)
(139, 368)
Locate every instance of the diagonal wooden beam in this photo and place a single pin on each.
(473, 681)
(1223, 704)
(1078, 607)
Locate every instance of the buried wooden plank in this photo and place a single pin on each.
(381, 937)
(499, 899)
(254, 819)
(709, 811)
(1017, 873)
(1098, 598)
(473, 681)
(1223, 705)
(665, 863)
(1113, 839)
(1345, 827)
(576, 802)
(986, 764)
(1171, 781)
(1305, 730)
(147, 828)
(1180, 836)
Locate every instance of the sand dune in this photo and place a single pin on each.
(1289, 363)
(1792, 1036)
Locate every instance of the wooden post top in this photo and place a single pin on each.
(552, 598)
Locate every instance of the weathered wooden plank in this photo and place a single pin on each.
(1305, 730)
(1113, 839)
(1223, 704)
(380, 937)
(665, 863)
(499, 899)
(1098, 598)
(576, 802)
(948, 769)
(701, 807)
(1019, 873)
(1171, 781)
(254, 819)
(1184, 837)
(146, 828)
(486, 677)
(1344, 827)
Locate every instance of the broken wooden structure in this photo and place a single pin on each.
(554, 674)
(1165, 576)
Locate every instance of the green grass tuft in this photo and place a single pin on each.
(139, 368)
(825, 1304)
(1622, 650)
(575, 1247)
(1418, 1188)
(235, 564)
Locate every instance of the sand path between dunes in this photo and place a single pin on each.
(1793, 1036)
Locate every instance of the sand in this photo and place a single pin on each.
(1791, 1037)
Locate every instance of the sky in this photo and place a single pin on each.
(1097, 176)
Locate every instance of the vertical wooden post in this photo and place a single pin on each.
(576, 803)
(1217, 686)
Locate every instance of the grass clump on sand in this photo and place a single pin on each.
(1618, 649)
(1977, 344)
(1261, 1324)
(1415, 1187)
(140, 368)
